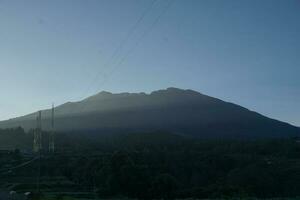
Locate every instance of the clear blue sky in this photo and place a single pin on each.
(242, 51)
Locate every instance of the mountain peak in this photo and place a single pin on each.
(177, 92)
(168, 90)
(176, 110)
(99, 96)
(104, 93)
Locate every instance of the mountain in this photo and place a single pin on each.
(174, 110)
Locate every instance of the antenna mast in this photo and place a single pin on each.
(51, 137)
(37, 137)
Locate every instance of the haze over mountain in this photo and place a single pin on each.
(175, 110)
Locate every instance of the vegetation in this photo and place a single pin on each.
(188, 168)
(163, 165)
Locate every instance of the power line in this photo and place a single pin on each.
(122, 43)
(8, 170)
(144, 34)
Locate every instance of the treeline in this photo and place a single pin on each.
(164, 165)
(158, 165)
(15, 138)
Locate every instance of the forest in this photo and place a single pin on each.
(157, 165)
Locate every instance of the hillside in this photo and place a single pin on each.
(175, 110)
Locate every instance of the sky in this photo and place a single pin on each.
(242, 51)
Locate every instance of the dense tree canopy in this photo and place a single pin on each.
(164, 165)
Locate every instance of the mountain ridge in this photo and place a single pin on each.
(172, 109)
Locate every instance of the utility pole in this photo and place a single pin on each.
(51, 136)
(37, 146)
(37, 137)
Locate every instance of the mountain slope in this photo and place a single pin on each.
(179, 111)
